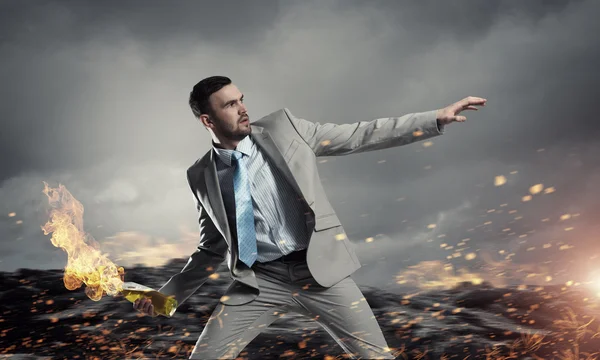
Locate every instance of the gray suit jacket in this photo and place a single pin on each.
(293, 144)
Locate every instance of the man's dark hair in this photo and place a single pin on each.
(202, 91)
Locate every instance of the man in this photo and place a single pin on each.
(262, 208)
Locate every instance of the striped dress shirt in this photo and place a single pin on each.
(278, 212)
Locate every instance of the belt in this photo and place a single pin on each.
(299, 255)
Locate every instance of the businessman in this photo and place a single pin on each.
(262, 208)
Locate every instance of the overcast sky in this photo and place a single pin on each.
(94, 96)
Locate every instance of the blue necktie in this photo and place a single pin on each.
(244, 211)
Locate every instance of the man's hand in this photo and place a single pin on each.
(450, 113)
(144, 305)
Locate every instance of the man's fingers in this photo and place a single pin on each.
(467, 104)
(450, 113)
(147, 305)
(471, 100)
(474, 100)
(144, 305)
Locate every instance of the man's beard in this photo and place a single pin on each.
(237, 133)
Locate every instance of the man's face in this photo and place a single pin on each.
(230, 117)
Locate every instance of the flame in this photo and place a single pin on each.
(85, 264)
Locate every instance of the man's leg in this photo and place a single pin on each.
(230, 328)
(343, 312)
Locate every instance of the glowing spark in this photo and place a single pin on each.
(499, 180)
(535, 189)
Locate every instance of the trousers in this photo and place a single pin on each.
(287, 286)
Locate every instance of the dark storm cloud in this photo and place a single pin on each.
(65, 59)
(540, 78)
(46, 57)
(50, 24)
(464, 21)
(96, 97)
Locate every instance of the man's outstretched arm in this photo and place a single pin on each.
(210, 253)
(332, 139)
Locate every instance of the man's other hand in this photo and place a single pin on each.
(450, 113)
(144, 305)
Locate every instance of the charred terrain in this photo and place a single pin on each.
(41, 319)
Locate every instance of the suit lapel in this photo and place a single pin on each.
(209, 190)
(270, 149)
(211, 195)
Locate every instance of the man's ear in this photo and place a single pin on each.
(205, 120)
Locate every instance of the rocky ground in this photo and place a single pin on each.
(41, 319)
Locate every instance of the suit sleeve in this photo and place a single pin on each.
(332, 139)
(209, 254)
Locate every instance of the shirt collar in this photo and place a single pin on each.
(245, 147)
